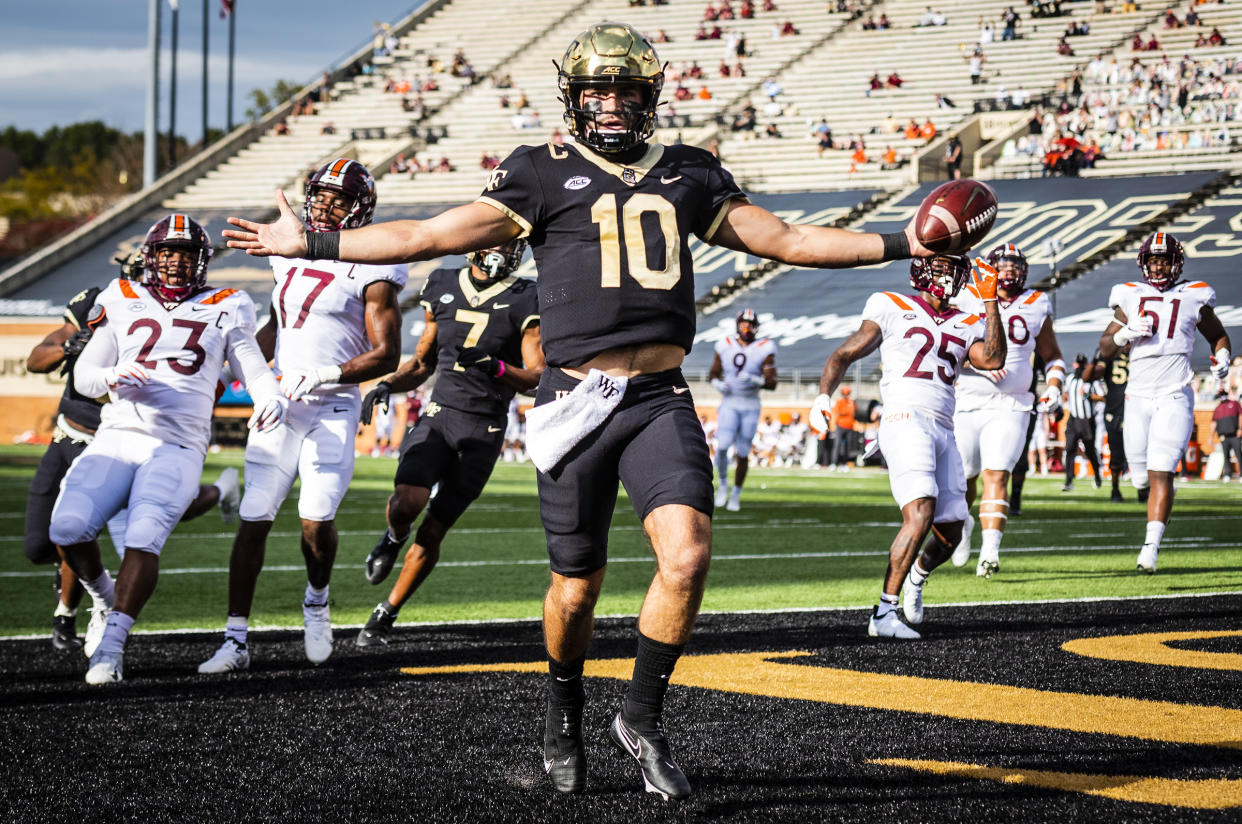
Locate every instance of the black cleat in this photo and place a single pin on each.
(65, 633)
(375, 633)
(1117, 498)
(564, 757)
(381, 559)
(1015, 510)
(661, 775)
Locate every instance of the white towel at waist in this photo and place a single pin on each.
(554, 428)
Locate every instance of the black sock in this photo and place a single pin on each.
(387, 606)
(1015, 491)
(653, 666)
(565, 682)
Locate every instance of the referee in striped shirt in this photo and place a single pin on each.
(1080, 395)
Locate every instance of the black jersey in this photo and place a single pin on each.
(82, 312)
(1115, 374)
(493, 319)
(610, 241)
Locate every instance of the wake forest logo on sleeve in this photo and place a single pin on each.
(497, 177)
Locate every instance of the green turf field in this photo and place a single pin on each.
(803, 539)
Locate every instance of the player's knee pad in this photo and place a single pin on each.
(318, 502)
(74, 521)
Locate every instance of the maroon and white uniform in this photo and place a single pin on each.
(1160, 406)
(994, 407)
(320, 308)
(149, 448)
(921, 355)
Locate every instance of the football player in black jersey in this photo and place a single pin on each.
(483, 326)
(77, 418)
(609, 219)
(1115, 372)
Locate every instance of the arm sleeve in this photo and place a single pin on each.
(248, 360)
(90, 373)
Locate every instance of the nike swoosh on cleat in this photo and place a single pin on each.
(547, 765)
(632, 745)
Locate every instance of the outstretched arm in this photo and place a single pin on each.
(460, 229)
(750, 228)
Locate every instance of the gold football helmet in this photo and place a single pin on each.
(610, 55)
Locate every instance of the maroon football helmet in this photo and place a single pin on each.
(1011, 277)
(1161, 244)
(350, 179)
(498, 262)
(177, 231)
(751, 317)
(942, 276)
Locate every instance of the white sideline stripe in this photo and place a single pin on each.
(778, 524)
(778, 611)
(755, 556)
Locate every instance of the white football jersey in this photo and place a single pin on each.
(1023, 318)
(320, 310)
(742, 363)
(183, 348)
(921, 353)
(1160, 363)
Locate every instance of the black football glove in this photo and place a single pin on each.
(77, 342)
(472, 357)
(377, 395)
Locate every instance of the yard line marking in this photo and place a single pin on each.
(631, 559)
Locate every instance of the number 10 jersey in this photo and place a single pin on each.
(610, 241)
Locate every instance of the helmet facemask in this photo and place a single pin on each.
(1162, 247)
(605, 57)
(498, 262)
(351, 182)
(942, 276)
(1011, 267)
(175, 279)
(746, 334)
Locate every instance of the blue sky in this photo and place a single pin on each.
(73, 60)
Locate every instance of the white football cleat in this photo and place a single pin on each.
(231, 657)
(1147, 558)
(105, 668)
(95, 630)
(318, 632)
(961, 553)
(735, 500)
(230, 494)
(722, 495)
(912, 601)
(890, 626)
(989, 564)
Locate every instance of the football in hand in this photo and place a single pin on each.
(955, 216)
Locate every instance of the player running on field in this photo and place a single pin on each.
(483, 328)
(332, 326)
(923, 343)
(157, 354)
(751, 367)
(994, 407)
(1157, 319)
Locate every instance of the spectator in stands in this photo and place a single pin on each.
(1011, 20)
(703, 93)
(789, 29)
(944, 102)
(741, 46)
(987, 32)
(859, 155)
(772, 131)
(558, 138)
(681, 93)
(715, 34)
(399, 165)
(953, 158)
(1170, 20)
(890, 158)
(328, 128)
(822, 133)
(739, 70)
(843, 411)
(874, 83)
(1225, 425)
(890, 125)
(710, 13)
(1192, 17)
(1064, 48)
(695, 72)
(975, 61)
(869, 24)
(1019, 97)
(661, 36)
(444, 166)
(912, 130)
(281, 127)
(1153, 44)
(1216, 38)
(769, 5)
(928, 131)
(724, 70)
(489, 161)
(1136, 44)
(747, 11)
(893, 81)
(701, 32)
(882, 24)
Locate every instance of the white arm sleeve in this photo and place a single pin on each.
(90, 373)
(246, 358)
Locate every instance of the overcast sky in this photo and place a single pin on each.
(72, 60)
